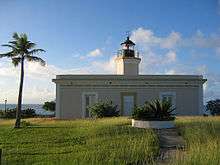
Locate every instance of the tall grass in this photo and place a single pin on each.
(202, 135)
(102, 141)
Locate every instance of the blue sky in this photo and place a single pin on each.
(81, 37)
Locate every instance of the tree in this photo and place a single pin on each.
(21, 49)
(213, 106)
(49, 106)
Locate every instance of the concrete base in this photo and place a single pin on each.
(152, 124)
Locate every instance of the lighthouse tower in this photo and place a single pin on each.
(127, 61)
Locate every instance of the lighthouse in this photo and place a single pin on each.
(127, 61)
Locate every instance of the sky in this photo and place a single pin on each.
(83, 36)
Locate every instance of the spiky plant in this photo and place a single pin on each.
(21, 49)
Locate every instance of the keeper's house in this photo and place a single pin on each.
(127, 88)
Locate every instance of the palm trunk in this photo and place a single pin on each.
(18, 112)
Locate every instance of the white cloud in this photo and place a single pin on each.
(171, 41)
(170, 72)
(107, 67)
(170, 57)
(146, 37)
(95, 53)
(92, 54)
(199, 40)
(38, 86)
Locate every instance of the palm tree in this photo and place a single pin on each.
(21, 49)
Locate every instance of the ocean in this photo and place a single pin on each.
(37, 107)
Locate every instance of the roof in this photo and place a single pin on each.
(128, 42)
(129, 77)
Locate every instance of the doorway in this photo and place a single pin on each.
(88, 99)
(128, 102)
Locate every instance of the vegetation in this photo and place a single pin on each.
(154, 110)
(11, 113)
(100, 141)
(21, 49)
(105, 141)
(202, 135)
(49, 106)
(103, 109)
(213, 106)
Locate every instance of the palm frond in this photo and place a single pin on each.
(35, 51)
(35, 59)
(16, 36)
(30, 45)
(10, 46)
(16, 61)
(8, 54)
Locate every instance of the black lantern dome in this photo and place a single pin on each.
(127, 49)
(128, 42)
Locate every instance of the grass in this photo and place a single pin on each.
(102, 141)
(202, 135)
(105, 141)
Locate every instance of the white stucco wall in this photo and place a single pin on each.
(189, 96)
(127, 66)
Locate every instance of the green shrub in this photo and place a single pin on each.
(49, 106)
(213, 106)
(103, 109)
(154, 110)
(25, 123)
(11, 113)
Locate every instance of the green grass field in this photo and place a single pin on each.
(102, 141)
(105, 141)
(202, 135)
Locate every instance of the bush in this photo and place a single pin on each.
(213, 106)
(49, 106)
(103, 109)
(11, 113)
(25, 123)
(154, 110)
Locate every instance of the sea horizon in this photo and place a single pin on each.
(37, 107)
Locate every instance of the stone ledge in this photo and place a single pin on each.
(152, 124)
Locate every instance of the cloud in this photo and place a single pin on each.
(170, 72)
(171, 41)
(199, 40)
(95, 53)
(159, 54)
(146, 37)
(92, 54)
(170, 57)
(38, 85)
(107, 67)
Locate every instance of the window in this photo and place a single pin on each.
(169, 96)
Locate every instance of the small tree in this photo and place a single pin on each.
(154, 110)
(49, 105)
(103, 109)
(22, 50)
(213, 106)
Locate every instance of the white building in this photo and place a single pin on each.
(127, 88)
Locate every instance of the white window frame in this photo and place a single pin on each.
(173, 94)
(84, 101)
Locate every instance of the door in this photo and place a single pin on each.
(88, 100)
(128, 105)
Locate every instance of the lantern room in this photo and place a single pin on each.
(127, 49)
